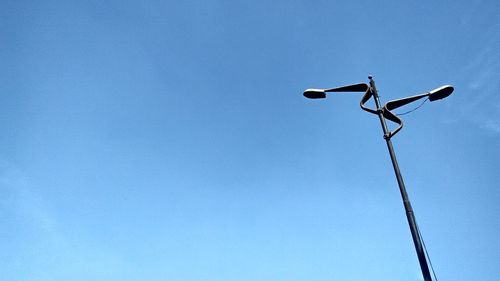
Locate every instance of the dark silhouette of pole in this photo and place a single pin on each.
(385, 113)
(404, 195)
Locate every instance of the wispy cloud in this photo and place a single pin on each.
(52, 253)
(20, 197)
(481, 105)
(493, 126)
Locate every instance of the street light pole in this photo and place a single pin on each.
(404, 195)
(385, 113)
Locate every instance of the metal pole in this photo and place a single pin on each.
(406, 201)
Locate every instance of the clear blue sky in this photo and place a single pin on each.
(169, 140)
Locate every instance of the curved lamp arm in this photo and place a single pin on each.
(366, 97)
(321, 93)
(393, 104)
(436, 94)
(361, 87)
(394, 118)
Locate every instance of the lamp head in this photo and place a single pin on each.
(315, 94)
(440, 93)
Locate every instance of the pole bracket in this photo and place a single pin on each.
(386, 113)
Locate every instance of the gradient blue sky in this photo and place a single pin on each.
(169, 140)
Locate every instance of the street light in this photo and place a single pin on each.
(383, 114)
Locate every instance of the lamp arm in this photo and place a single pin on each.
(366, 97)
(392, 117)
(393, 104)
